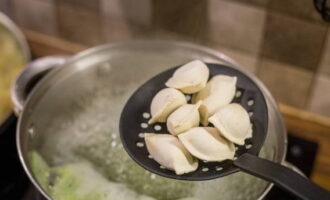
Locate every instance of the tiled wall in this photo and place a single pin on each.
(284, 42)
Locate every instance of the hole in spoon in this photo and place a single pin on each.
(157, 127)
(144, 125)
(218, 168)
(146, 115)
(205, 169)
(238, 94)
(140, 144)
(250, 102)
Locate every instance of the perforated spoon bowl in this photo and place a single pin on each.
(134, 118)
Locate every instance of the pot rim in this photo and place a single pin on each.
(11, 27)
(187, 45)
(17, 34)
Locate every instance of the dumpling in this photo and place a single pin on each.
(206, 144)
(219, 91)
(164, 103)
(169, 152)
(183, 119)
(189, 78)
(233, 122)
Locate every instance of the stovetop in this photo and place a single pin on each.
(15, 185)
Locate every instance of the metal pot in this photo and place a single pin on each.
(72, 115)
(15, 49)
(17, 34)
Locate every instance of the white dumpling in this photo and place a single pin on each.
(233, 122)
(189, 78)
(183, 119)
(206, 144)
(164, 103)
(219, 91)
(169, 152)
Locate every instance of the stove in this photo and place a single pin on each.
(15, 185)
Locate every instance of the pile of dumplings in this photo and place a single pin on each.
(211, 103)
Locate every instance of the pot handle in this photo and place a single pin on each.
(30, 75)
(281, 176)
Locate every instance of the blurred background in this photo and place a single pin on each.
(285, 43)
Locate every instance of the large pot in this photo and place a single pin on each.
(72, 114)
(14, 54)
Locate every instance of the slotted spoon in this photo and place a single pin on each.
(134, 118)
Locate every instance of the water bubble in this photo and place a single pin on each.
(31, 130)
(104, 69)
(141, 135)
(113, 143)
(188, 97)
(149, 156)
(152, 176)
(248, 146)
(83, 127)
(100, 116)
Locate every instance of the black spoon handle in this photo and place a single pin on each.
(282, 177)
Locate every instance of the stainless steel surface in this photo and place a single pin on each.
(10, 25)
(20, 39)
(118, 68)
(33, 70)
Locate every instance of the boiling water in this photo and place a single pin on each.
(88, 130)
(91, 133)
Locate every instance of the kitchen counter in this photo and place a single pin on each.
(300, 123)
(316, 128)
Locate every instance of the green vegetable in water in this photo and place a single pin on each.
(40, 169)
(97, 140)
(79, 181)
(119, 167)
